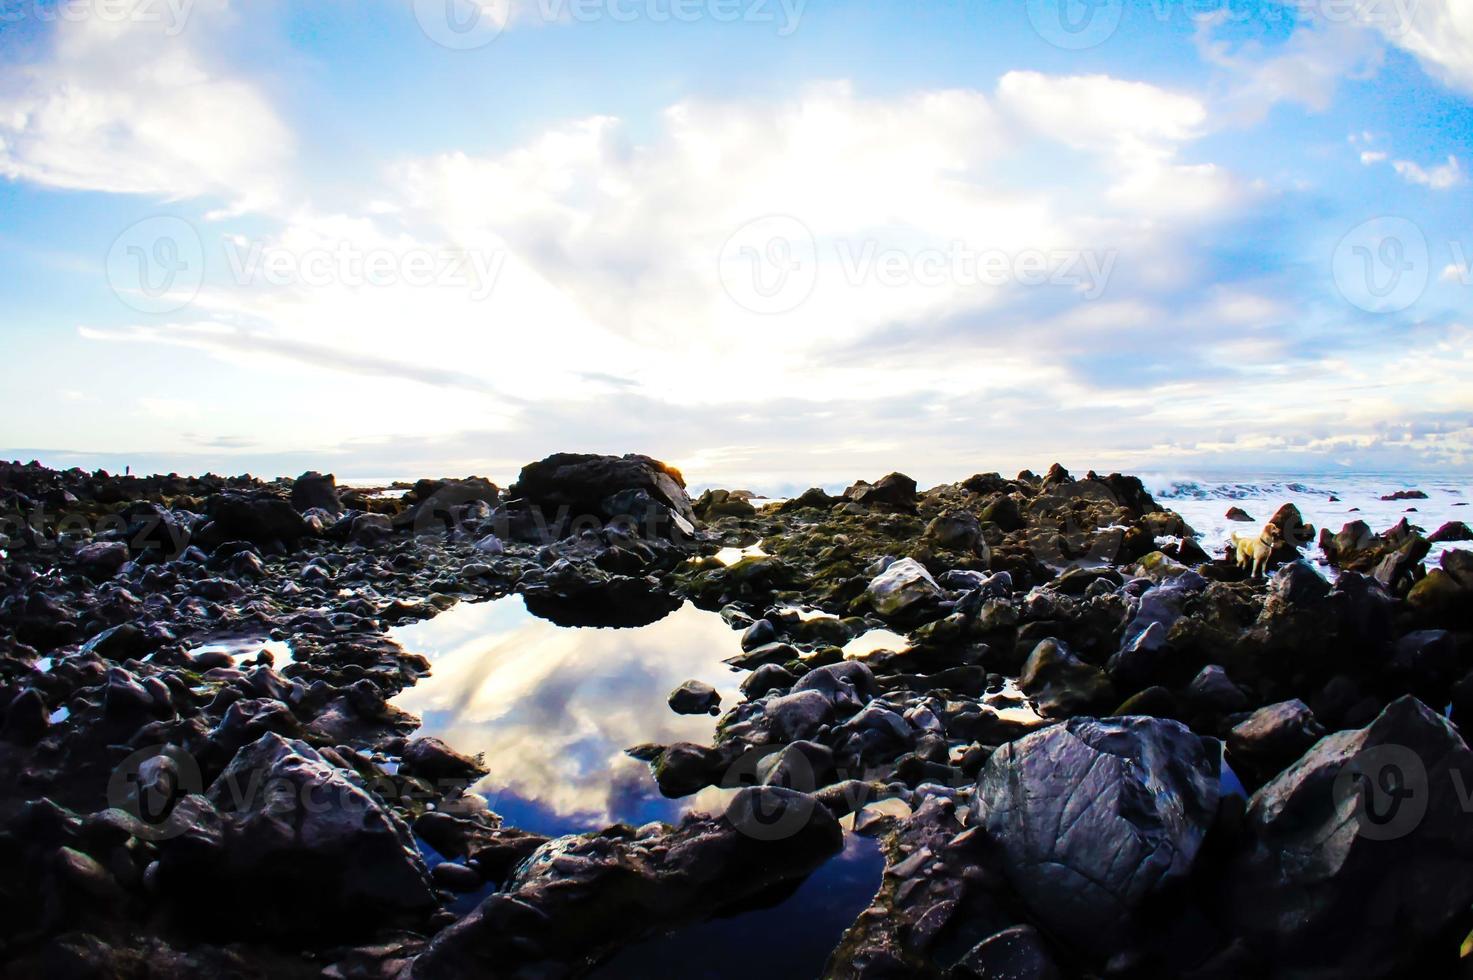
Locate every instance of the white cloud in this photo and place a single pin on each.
(1140, 128)
(1305, 70)
(127, 104)
(1438, 32)
(1438, 178)
(1369, 157)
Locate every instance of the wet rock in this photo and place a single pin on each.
(1451, 531)
(928, 900)
(759, 634)
(958, 531)
(455, 877)
(433, 759)
(694, 698)
(1405, 495)
(799, 715)
(620, 888)
(305, 848)
(1095, 817)
(1298, 582)
(1239, 514)
(800, 765)
(903, 589)
(26, 718)
(813, 498)
(768, 677)
(313, 490)
(685, 768)
(262, 519)
(1260, 746)
(1061, 685)
(1441, 599)
(1213, 690)
(581, 483)
(370, 530)
(716, 504)
(896, 491)
(848, 686)
(1016, 953)
(1359, 853)
(765, 655)
(103, 559)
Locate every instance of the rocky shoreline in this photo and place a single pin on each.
(1099, 750)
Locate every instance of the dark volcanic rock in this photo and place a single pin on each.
(1061, 684)
(694, 698)
(1094, 818)
(1361, 852)
(315, 490)
(433, 759)
(263, 519)
(583, 483)
(1260, 746)
(579, 897)
(301, 847)
(1451, 531)
(896, 491)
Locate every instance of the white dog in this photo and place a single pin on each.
(1253, 553)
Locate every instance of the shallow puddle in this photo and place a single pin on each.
(552, 708)
(792, 937)
(245, 649)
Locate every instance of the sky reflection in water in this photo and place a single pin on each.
(553, 708)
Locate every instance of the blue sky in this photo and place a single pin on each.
(776, 242)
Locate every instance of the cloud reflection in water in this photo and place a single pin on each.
(553, 708)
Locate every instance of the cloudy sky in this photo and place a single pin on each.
(776, 242)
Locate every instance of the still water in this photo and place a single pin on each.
(552, 708)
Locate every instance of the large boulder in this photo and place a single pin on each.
(1360, 855)
(896, 491)
(263, 519)
(582, 485)
(449, 505)
(303, 848)
(314, 490)
(903, 588)
(1094, 818)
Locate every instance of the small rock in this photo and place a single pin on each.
(694, 698)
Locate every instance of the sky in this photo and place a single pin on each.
(775, 242)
